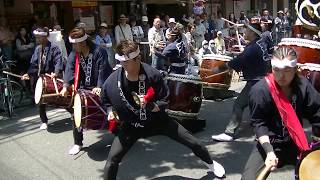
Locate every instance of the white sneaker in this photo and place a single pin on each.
(216, 168)
(75, 149)
(222, 137)
(44, 126)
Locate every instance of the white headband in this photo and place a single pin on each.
(130, 56)
(281, 64)
(254, 30)
(39, 33)
(77, 40)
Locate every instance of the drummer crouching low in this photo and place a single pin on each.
(46, 59)
(175, 53)
(87, 68)
(144, 118)
(278, 104)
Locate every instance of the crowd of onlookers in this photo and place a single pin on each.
(202, 34)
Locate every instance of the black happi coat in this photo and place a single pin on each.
(264, 114)
(52, 63)
(99, 73)
(251, 62)
(111, 95)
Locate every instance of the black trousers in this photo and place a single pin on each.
(43, 114)
(127, 136)
(77, 132)
(286, 152)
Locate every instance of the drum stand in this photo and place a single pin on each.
(190, 121)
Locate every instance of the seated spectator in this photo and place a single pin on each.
(220, 44)
(24, 50)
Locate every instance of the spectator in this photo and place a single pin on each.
(204, 49)
(220, 44)
(232, 30)
(212, 47)
(189, 36)
(199, 32)
(242, 20)
(137, 31)
(279, 23)
(123, 30)
(24, 50)
(145, 47)
(172, 24)
(157, 43)
(145, 27)
(6, 39)
(103, 40)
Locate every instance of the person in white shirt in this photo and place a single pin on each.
(157, 42)
(123, 30)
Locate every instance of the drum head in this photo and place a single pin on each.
(38, 90)
(309, 167)
(77, 110)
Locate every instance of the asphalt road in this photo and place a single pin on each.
(26, 152)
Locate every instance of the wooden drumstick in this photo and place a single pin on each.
(263, 173)
(55, 85)
(50, 95)
(232, 22)
(205, 70)
(12, 74)
(236, 27)
(218, 74)
(98, 105)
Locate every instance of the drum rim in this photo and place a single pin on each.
(196, 82)
(307, 157)
(37, 99)
(77, 106)
(310, 66)
(218, 57)
(311, 43)
(183, 77)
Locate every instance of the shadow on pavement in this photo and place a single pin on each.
(59, 126)
(99, 151)
(210, 176)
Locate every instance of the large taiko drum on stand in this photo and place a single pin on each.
(88, 112)
(312, 73)
(185, 100)
(308, 51)
(47, 92)
(218, 80)
(309, 166)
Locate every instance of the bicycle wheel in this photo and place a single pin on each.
(16, 93)
(8, 105)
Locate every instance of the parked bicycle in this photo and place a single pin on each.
(11, 92)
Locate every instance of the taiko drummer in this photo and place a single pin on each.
(254, 65)
(147, 117)
(46, 59)
(87, 68)
(277, 104)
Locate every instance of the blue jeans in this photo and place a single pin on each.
(157, 62)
